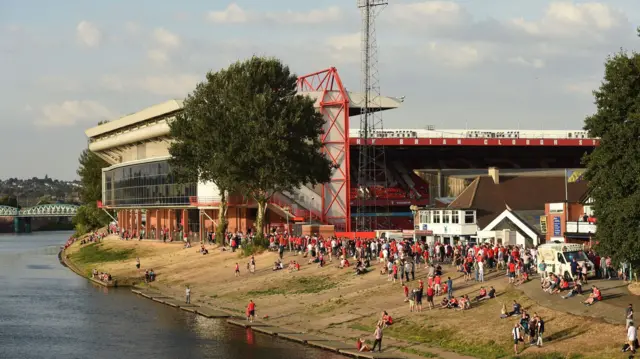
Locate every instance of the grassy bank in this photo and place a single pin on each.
(95, 255)
(335, 303)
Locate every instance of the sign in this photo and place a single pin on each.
(560, 142)
(543, 224)
(556, 207)
(557, 227)
(424, 226)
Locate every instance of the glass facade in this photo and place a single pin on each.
(146, 184)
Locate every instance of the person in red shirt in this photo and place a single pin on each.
(251, 311)
(437, 282)
(595, 296)
(430, 293)
(406, 292)
(237, 270)
(512, 272)
(395, 272)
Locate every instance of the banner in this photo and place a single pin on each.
(543, 224)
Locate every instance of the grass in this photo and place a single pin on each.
(96, 253)
(422, 353)
(299, 285)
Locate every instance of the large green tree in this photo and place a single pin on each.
(246, 129)
(89, 216)
(613, 169)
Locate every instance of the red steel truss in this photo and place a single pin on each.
(333, 104)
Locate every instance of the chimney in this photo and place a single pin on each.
(494, 173)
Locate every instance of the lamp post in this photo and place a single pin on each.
(414, 210)
(310, 206)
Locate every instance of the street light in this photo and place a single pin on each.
(414, 209)
(310, 206)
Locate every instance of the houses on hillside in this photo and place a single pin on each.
(524, 210)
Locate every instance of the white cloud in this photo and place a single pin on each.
(519, 60)
(427, 13)
(455, 55)
(132, 28)
(167, 85)
(584, 87)
(314, 16)
(158, 56)
(570, 20)
(68, 113)
(166, 38)
(344, 49)
(88, 34)
(232, 14)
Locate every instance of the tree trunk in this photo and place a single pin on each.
(221, 231)
(262, 209)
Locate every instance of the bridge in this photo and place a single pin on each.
(41, 210)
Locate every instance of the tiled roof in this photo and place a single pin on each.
(517, 193)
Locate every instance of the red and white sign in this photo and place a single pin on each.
(560, 142)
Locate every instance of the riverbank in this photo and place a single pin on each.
(335, 304)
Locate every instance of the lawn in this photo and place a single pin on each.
(95, 253)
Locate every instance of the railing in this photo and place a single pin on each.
(289, 206)
(580, 227)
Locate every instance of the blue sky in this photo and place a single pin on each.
(528, 64)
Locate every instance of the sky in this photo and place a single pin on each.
(501, 64)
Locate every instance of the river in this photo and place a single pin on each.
(47, 311)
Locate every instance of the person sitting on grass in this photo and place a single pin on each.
(362, 346)
(595, 296)
(464, 303)
(523, 279)
(577, 289)
(482, 295)
(564, 285)
(517, 309)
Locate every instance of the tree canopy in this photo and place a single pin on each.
(89, 216)
(246, 129)
(613, 168)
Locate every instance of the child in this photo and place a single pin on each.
(237, 270)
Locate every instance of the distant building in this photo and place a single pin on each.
(502, 209)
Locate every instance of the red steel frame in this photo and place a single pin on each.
(333, 104)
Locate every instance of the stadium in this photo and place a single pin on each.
(138, 183)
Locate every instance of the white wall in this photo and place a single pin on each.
(208, 192)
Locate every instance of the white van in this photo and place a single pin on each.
(558, 257)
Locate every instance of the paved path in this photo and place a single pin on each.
(616, 297)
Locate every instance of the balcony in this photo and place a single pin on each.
(580, 227)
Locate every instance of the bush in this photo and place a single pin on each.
(251, 249)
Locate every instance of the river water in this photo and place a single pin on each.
(47, 311)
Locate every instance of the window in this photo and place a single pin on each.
(423, 217)
(469, 217)
(436, 217)
(147, 184)
(455, 218)
(446, 216)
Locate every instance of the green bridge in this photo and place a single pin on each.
(22, 216)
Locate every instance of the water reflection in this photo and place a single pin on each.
(46, 311)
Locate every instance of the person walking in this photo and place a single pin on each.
(378, 338)
(515, 333)
(251, 311)
(540, 331)
(449, 288)
(632, 337)
(629, 316)
(188, 295)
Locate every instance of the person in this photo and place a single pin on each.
(378, 336)
(629, 316)
(632, 338)
(237, 269)
(449, 288)
(595, 296)
(137, 262)
(188, 295)
(361, 346)
(515, 333)
(251, 311)
(540, 330)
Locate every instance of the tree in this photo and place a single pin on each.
(89, 216)
(613, 167)
(247, 130)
